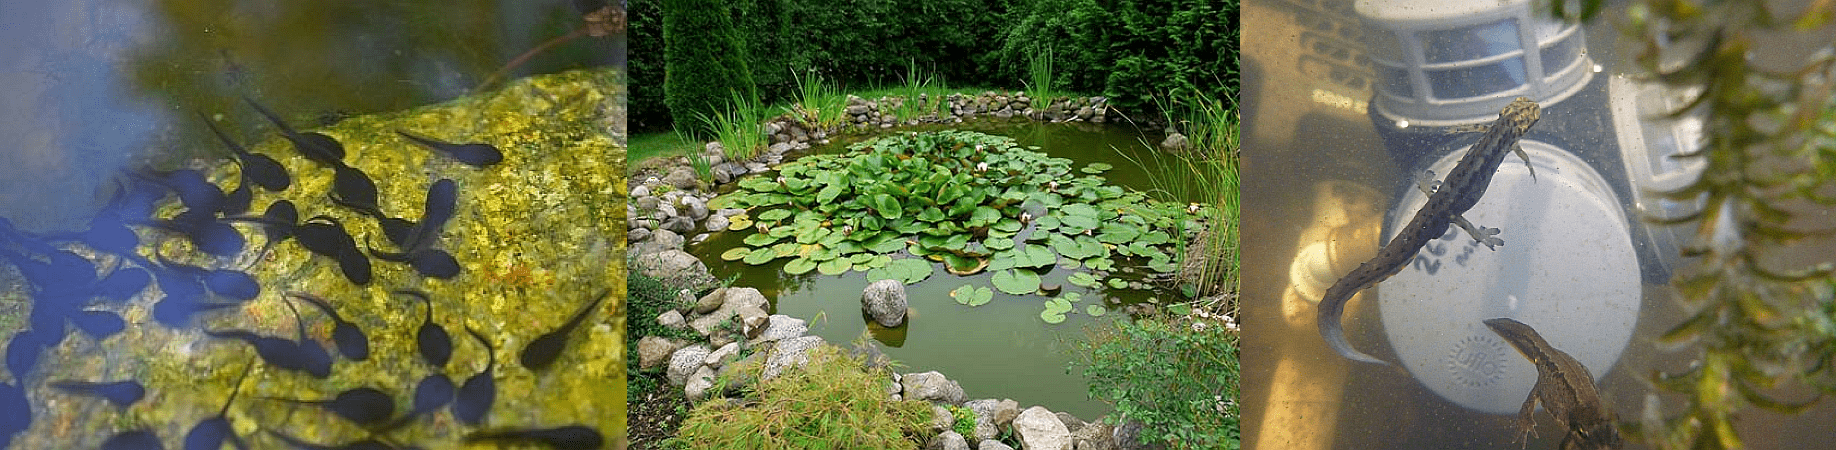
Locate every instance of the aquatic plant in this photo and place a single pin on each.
(818, 105)
(1039, 71)
(974, 202)
(738, 127)
(1754, 328)
(1207, 171)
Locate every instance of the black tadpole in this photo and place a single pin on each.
(98, 324)
(475, 154)
(480, 390)
(15, 412)
(326, 236)
(314, 146)
(365, 444)
(260, 169)
(121, 393)
(571, 437)
(545, 349)
(354, 189)
(278, 352)
(431, 393)
(363, 406)
(209, 434)
(142, 439)
(431, 339)
(351, 341)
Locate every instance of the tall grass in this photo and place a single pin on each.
(740, 128)
(819, 105)
(1207, 172)
(916, 83)
(696, 156)
(1039, 71)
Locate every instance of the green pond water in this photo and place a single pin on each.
(1002, 349)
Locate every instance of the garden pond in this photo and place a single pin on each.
(1012, 237)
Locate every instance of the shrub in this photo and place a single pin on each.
(645, 299)
(645, 107)
(831, 402)
(1177, 377)
(704, 61)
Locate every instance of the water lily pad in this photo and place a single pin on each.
(1095, 310)
(1052, 316)
(1118, 283)
(1096, 168)
(1099, 264)
(799, 266)
(963, 265)
(739, 222)
(1034, 256)
(1083, 279)
(735, 254)
(972, 295)
(1017, 282)
(999, 243)
(1071, 297)
(908, 271)
(786, 249)
(886, 205)
(834, 267)
(774, 215)
(759, 257)
(759, 240)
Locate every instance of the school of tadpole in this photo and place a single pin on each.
(243, 294)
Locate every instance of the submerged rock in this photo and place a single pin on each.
(884, 300)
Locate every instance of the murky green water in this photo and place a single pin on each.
(998, 350)
(94, 88)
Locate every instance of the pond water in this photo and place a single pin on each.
(104, 277)
(1002, 349)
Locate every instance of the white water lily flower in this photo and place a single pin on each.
(981, 166)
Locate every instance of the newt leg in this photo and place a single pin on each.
(1524, 422)
(1427, 183)
(1487, 236)
(1519, 149)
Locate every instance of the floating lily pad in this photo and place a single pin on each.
(799, 266)
(1096, 168)
(739, 222)
(1083, 279)
(1095, 310)
(972, 295)
(759, 240)
(1118, 283)
(735, 254)
(1055, 310)
(908, 271)
(1017, 282)
(834, 267)
(774, 215)
(759, 257)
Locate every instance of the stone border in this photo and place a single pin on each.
(662, 210)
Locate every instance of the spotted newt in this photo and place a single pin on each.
(1565, 387)
(1446, 202)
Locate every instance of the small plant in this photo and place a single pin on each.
(739, 128)
(917, 103)
(965, 420)
(646, 298)
(1205, 175)
(818, 105)
(696, 158)
(830, 402)
(1178, 377)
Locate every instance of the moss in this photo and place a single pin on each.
(537, 235)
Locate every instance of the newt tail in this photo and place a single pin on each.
(1446, 202)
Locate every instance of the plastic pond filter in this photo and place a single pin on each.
(1567, 269)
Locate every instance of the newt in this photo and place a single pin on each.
(1564, 386)
(1446, 202)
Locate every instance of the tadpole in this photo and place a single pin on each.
(314, 146)
(477, 155)
(480, 390)
(571, 437)
(122, 393)
(431, 339)
(545, 349)
(209, 434)
(351, 341)
(363, 406)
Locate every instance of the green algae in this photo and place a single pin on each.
(536, 235)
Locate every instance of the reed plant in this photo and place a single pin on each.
(819, 105)
(1039, 74)
(918, 83)
(739, 129)
(1206, 175)
(696, 157)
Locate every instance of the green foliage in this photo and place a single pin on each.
(1127, 49)
(1179, 378)
(705, 63)
(645, 108)
(831, 402)
(738, 127)
(645, 299)
(696, 159)
(964, 423)
(1039, 72)
(1206, 172)
(818, 105)
(956, 197)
